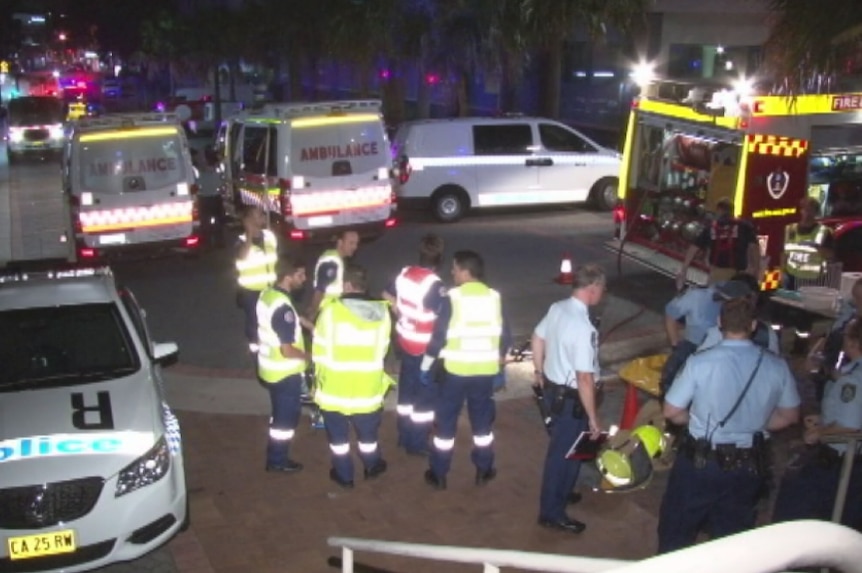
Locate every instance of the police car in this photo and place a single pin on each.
(91, 465)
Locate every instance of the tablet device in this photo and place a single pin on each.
(585, 448)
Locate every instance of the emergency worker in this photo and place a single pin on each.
(808, 490)
(351, 339)
(471, 336)
(827, 356)
(256, 254)
(209, 197)
(808, 246)
(329, 270)
(281, 361)
(416, 297)
(731, 244)
(763, 334)
(566, 361)
(727, 396)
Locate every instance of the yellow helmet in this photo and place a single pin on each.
(652, 439)
(615, 467)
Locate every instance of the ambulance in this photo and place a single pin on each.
(686, 148)
(316, 168)
(130, 185)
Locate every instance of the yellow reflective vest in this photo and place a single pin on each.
(473, 338)
(272, 365)
(803, 257)
(351, 339)
(336, 286)
(257, 269)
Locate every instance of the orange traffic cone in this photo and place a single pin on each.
(565, 277)
(630, 408)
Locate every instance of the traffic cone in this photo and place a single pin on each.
(630, 408)
(565, 277)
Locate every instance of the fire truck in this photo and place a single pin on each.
(687, 148)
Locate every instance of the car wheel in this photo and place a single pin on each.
(449, 204)
(604, 195)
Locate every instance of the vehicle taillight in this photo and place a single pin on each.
(75, 212)
(297, 234)
(390, 222)
(284, 197)
(192, 241)
(87, 253)
(193, 191)
(404, 169)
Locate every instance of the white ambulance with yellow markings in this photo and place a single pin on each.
(131, 185)
(687, 147)
(91, 460)
(316, 168)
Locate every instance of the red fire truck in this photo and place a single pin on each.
(685, 149)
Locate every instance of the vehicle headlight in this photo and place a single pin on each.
(16, 135)
(146, 470)
(56, 131)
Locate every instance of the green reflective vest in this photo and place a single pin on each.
(272, 365)
(351, 339)
(336, 286)
(803, 257)
(473, 339)
(257, 269)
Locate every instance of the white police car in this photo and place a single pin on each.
(91, 466)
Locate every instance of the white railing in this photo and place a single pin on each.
(769, 549)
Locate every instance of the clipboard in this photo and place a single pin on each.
(585, 448)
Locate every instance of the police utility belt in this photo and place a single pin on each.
(558, 394)
(729, 456)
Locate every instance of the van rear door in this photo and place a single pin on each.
(339, 170)
(506, 169)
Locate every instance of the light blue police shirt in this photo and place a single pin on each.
(571, 342)
(714, 336)
(711, 382)
(842, 400)
(846, 313)
(700, 310)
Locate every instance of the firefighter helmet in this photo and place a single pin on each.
(652, 439)
(629, 465)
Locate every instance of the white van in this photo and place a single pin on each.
(454, 165)
(316, 167)
(130, 184)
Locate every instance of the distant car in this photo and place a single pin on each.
(90, 452)
(34, 124)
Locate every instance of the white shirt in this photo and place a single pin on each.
(571, 342)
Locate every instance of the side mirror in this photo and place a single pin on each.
(165, 352)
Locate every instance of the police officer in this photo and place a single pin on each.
(808, 245)
(416, 296)
(728, 397)
(209, 197)
(281, 361)
(826, 357)
(329, 270)
(731, 243)
(808, 490)
(351, 339)
(566, 362)
(743, 285)
(256, 254)
(472, 337)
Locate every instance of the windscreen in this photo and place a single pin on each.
(26, 111)
(338, 146)
(63, 346)
(131, 161)
(835, 180)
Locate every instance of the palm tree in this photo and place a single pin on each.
(811, 43)
(163, 42)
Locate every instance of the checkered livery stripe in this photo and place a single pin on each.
(268, 203)
(323, 201)
(136, 217)
(771, 280)
(774, 145)
(172, 429)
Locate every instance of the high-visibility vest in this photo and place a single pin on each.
(257, 269)
(803, 257)
(272, 365)
(473, 339)
(348, 352)
(415, 322)
(336, 287)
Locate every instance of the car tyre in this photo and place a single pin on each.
(449, 204)
(604, 194)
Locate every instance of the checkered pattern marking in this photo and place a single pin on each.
(774, 145)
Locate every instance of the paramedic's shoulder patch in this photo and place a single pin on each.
(848, 392)
(330, 272)
(289, 316)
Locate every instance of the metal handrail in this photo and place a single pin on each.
(769, 549)
(852, 440)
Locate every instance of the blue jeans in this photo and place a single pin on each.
(560, 474)
(723, 501)
(478, 391)
(366, 427)
(286, 409)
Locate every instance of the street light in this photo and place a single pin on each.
(61, 36)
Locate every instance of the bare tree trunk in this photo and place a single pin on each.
(423, 95)
(294, 70)
(233, 71)
(462, 95)
(551, 80)
(217, 96)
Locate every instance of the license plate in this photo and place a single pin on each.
(28, 546)
(319, 221)
(112, 239)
